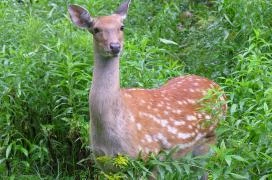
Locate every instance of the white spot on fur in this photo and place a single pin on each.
(139, 126)
(172, 129)
(142, 101)
(179, 111)
(150, 116)
(148, 138)
(193, 133)
(199, 115)
(163, 140)
(155, 138)
(155, 109)
(186, 145)
(204, 93)
(191, 118)
(171, 119)
(184, 135)
(179, 123)
(131, 117)
(207, 117)
(191, 90)
(164, 123)
(128, 95)
(195, 84)
(159, 105)
(184, 102)
(191, 101)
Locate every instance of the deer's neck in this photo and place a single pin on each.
(108, 116)
(106, 103)
(105, 91)
(106, 77)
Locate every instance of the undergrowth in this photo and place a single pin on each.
(46, 71)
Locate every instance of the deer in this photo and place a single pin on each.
(135, 120)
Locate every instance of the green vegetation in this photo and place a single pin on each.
(46, 71)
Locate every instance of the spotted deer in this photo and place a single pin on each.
(133, 121)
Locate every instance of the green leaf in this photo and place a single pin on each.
(26, 164)
(223, 145)
(228, 159)
(23, 150)
(233, 109)
(227, 18)
(186, 168)
(267, 157)
(177, 168)
(265, 177)
(8, 150)
(265, 107)
(167, 41)
(238, 176)
(161, 172)
(2, 160)
(168, 168)
(238, 158)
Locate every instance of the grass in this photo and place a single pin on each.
(46, 71)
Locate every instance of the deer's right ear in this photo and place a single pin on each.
(80, 16)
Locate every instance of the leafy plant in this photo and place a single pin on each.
(46, 71)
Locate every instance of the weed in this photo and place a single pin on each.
(46, 71)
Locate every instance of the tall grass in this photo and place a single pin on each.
(46, 71)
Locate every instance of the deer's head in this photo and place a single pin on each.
(107, 30)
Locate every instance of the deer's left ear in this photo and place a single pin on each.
(123, 9)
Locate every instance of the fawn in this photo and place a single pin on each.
(130, 121)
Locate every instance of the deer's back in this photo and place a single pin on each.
(171, 115)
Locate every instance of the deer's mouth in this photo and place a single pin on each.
(110, 53)
(115, 54)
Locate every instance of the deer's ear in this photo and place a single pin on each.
(123, 9)
(80, 16)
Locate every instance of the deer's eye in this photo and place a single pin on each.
(122, 27)
(96, 30)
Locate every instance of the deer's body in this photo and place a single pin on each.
(130, 121)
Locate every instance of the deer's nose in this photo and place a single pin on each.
(115, 47)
